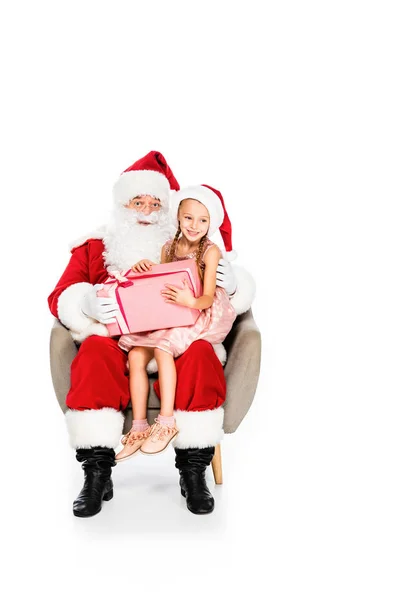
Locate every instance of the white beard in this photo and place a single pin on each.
(127, 242)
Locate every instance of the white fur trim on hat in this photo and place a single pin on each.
(88, 428)
(231, 256)
(245, 291)
(199, 429)
(204, 195)
(141, 183)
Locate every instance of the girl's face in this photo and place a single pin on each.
(194, 219)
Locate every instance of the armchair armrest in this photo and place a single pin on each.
(62, 352)
(242, 370)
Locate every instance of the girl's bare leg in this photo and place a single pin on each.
(167, 379)
(138, 380)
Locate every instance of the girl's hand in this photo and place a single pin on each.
(143, 265)
(175, 295)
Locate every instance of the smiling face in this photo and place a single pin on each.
(194, 219)
(145, 206)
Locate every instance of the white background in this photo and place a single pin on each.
(291, 109)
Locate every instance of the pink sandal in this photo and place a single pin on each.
(132, 443)
(159, 438)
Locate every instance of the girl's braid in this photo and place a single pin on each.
(199, 255)
(171, 253)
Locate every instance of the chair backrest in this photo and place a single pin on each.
(242, 369)
(62, 352)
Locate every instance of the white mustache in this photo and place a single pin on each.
(151, 218)
(130, 216)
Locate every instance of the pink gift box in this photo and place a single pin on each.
(142, 307)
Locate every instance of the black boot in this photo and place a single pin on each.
(98, 486)
(192, 463)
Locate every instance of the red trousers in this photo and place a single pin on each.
(99, 377)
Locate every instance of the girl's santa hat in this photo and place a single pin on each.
(220, 230)
(150, 176)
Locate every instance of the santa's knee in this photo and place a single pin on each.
(97, 344)
(200, 348)
(97, 350)
(198, 356)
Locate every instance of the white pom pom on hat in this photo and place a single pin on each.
(220, 230)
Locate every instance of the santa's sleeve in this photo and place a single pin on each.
(66, 299)
(245, 293)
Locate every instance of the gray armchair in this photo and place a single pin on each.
(242, 368)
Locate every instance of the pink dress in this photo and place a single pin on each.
(213, 323)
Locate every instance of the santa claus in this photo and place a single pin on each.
(99, 391)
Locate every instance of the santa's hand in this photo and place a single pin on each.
(226, 277)
(175, 295)
(143, 265)
(101, 309)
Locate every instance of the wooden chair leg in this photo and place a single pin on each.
(217, 465)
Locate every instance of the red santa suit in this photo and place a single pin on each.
(99, 391)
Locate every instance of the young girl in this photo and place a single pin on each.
(196, 220)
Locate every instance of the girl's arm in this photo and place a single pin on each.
(145, 264)
(184, 297)
(211, 259)
(163, 254)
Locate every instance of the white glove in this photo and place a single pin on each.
(101, 309)
(226, 277)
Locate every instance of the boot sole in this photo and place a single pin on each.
(192, 511)
(106, 497)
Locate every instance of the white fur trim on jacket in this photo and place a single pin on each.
(152, 367)
(70, 314)
(199, 429)
(97, 234)
(218, 348)
(88, 428)
(245, 291)
(220, 352)
(93, 329)
(141, 183)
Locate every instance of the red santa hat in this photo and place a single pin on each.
(150, 176)
(220, 230)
